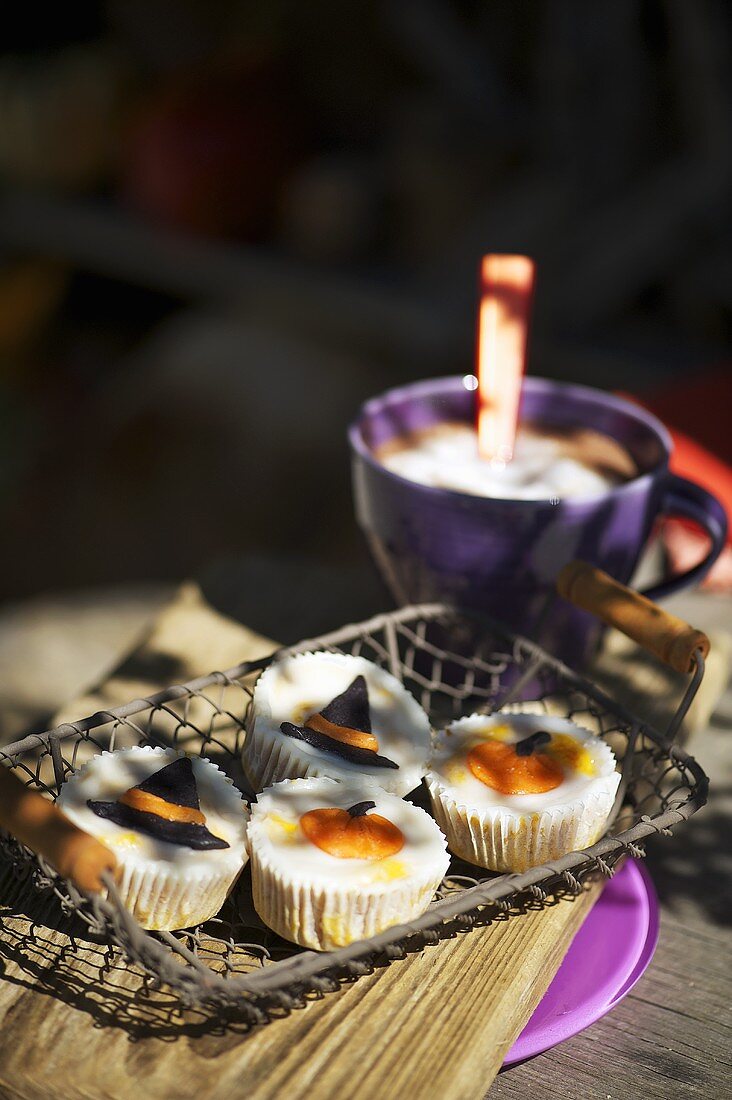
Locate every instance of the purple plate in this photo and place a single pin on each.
(607, 957)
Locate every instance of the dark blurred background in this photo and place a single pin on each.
(223, 225)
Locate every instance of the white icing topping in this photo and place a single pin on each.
(294, 688)
(539, 470)
(450, 769)
(107, 776)
(275, 834)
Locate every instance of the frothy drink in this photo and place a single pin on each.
(548, 462)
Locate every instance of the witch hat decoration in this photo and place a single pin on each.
(343, 726)
(347, 715)
(165, 806)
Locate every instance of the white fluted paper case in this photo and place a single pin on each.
(511, 833)
(323, 902)
(267, 761)
(503, 841)
(325, 917)
(164, 900)
(164, 885)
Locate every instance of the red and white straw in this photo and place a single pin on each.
(506, 292)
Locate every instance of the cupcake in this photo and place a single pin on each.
(514, 790)
(336, 862)
(329, 714)
(176, 824)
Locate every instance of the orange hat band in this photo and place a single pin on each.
(357, 738)
(148, 803)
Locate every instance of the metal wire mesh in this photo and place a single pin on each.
(454, 663)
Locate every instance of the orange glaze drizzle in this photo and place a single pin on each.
(369, 836)
(356, 738)
(150, 804)
(498, 765)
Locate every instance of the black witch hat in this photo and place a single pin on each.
(349, 711)
(166, 806)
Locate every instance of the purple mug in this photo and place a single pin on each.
(502, 556)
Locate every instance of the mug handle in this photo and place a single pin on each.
(684, 498)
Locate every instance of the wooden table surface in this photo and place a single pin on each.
(670, 1037)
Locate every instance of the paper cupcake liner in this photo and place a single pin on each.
(267, 761)
(327, 917)
(161, 900)
(507, 840)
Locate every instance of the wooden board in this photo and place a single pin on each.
(434, 1024)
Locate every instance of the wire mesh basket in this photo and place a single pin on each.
(454, 662)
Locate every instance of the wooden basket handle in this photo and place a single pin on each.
(670, 639)
(40, 825)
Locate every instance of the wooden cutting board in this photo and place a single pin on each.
(436, 1024)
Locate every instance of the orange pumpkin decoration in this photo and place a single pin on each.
(352, 833)
(358, 739)
(515, 769)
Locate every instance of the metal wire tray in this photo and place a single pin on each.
(454, 662)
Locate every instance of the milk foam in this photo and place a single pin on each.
(544, 465)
